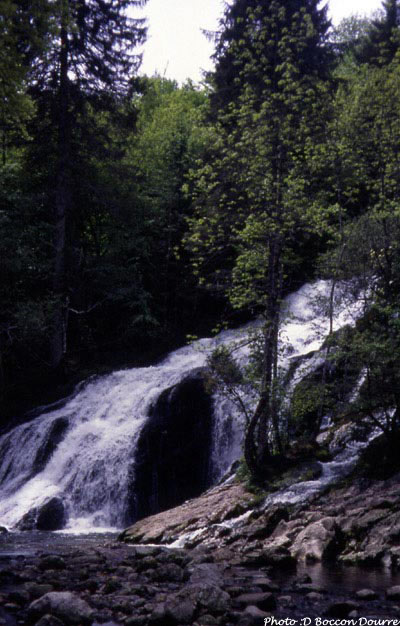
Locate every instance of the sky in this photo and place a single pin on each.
(176, 47)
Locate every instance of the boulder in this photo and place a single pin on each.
(317, 542)
(66, 606)
(265, 601)
(277, 553)
(169, 572)
(52, 562)
(207, 620)
(205, 572)
(180, 610)
(314, 596)
(52, 515)
(212, 598)
(366, 594)
(341, 609)
(393, 593)
(252, 616)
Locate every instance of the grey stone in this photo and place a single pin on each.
(341, 609)
(366, 594)
(49, 620)
(67, 606)
(136, 620)
(205, 572)
(181, 610)
(52, 562)
(36, 590)
(265, 601)
(211, 598)
(168, 573)
(255, 612)
(393, 593)
(316, 541)
(265, 583)
(143, 551)
(314, 596)
(207, 620)
(159, 616)
(285, 601)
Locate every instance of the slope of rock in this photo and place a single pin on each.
(215, 506)
(355, 523)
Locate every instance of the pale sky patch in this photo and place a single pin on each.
(176, 47)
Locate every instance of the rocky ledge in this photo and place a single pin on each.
(357, 524)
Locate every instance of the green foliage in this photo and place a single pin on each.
(367, 254)
(224, 368)
(306, 404)
(243, 475)
(168, 140)
(346, 40)
(231, 380)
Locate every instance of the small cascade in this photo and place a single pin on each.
(331, 473)
(83, 450)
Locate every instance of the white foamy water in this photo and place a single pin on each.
(90, 466)
(332, 472)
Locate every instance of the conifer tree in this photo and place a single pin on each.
(90, 57)
(383, 39)
(24, 26)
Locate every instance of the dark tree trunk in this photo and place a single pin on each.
(257, 448)
(61, 209)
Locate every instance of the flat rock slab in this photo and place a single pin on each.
(215, 506)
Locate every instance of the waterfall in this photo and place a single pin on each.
(83, 450)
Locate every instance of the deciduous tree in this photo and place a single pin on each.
(255, 195)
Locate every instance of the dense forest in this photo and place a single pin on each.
(135, 212)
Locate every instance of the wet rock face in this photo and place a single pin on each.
(55, 436)
(172, 459)
(51, 516)
(28, 521)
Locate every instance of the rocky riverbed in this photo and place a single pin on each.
(241, 563)
(115, 583)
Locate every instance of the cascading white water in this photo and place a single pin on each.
(89, 467)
